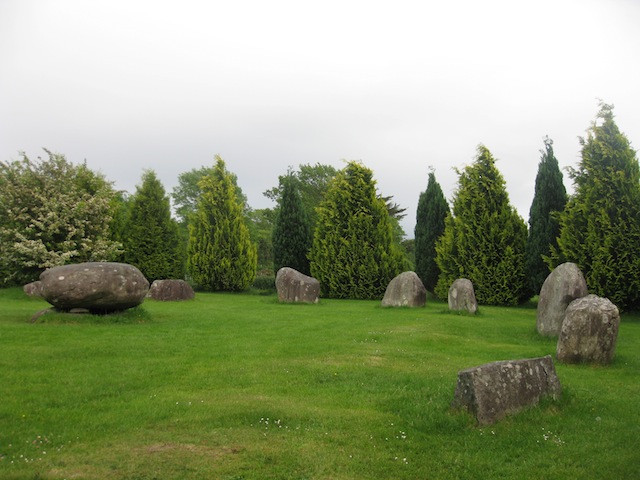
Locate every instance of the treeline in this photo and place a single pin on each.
(335, 225)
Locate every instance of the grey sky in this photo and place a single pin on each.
(399, 85)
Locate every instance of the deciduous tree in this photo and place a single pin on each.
(52, 213)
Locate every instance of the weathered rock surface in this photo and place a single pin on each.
(96, 286)
(494, 390)
(589, 331)
(171, 290)
(33, 289)
(405, 290)
(294, 286)
(561, 287)
(462, 296)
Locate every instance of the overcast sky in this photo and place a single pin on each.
(400, 85)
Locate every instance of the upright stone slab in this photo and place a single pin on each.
(171, 290)
(294, 286)
(589, 331)
(405, 290)
(462, 296)
(494, 390)
(561, 287)
(96, 286)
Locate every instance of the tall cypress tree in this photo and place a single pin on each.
(354, 254)
(484, 238)
(291, 231)
(151, 239)
(600, 226)
(220, 255)
(431, 214)
(549, 200)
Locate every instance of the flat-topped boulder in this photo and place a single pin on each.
(171, 290)
(561, 287)
(589, 331)
(494, 390)
(405, 290)
(462, 296)
(296, 287)
(96, 286)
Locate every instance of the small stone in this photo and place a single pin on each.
(405, 290)
(171, 290)
(296, 287)
(462, 296)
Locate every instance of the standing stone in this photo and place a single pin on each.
(462, 296)
(96, 286)
(171, 290)
(561, 287)
(293, 286)
(33, 289)
(496, 389)
(589, 331)
(405, 290)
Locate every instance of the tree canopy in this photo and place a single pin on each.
(354, 254)
(430, 221)
(52, 213)
(600, 226)
(484, 237)
(220, 255)
(549, 200)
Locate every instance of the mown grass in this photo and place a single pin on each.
(232, 386)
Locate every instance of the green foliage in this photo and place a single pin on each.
(152, 241)
(600, 226)
(431, 214)
(354, 254)
(52, 213)
(484, 238)
(221, 255)
(291, 231)
(549, 200)
(260, 222)
(311, 182)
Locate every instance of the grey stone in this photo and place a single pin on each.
(589, 331)
(494, 390)
(462, 296)
(296, 287)
(561, 287)
(405, 290)
(33, 289)
(96, 286)
(171, 290)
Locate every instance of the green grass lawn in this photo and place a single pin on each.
(232, 386)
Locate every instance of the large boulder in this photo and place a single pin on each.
(462, 296)
(294, 286)
(96, 286)
(561, 287)
(494, 390)
(405, 290)
(171, 290)
(589, 331)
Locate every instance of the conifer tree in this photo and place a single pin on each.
(600, 226)
(151, 240)
(431, 214)
(220, 255)
(291, 232)
(484, 237)
(354, 254)
(549, 200)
